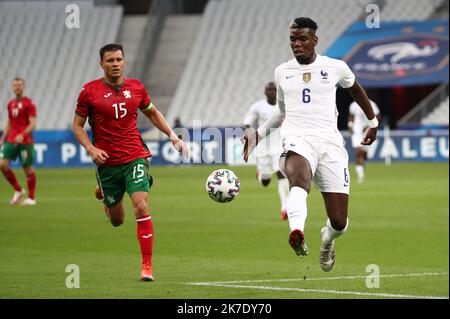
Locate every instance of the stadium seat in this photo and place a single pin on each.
(440, 115)
(54, 61)
(240, 42)
(238, 45)
(400, 10)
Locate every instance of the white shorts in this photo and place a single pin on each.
(267, 165)
(356, 142)
(328, 161)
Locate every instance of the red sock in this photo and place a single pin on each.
(145, 237)
(31, 182)
(11, 178)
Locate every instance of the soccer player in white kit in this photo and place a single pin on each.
(357, 125)
(269, 150)
(314, 148)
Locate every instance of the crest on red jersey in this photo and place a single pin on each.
(127, 94)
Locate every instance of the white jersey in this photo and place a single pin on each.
(259, 113)
(309, 95)
(360, 121)
(256, 116)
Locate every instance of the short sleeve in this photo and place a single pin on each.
(346, 76)
(82, 108)
(280, 93)
(353, 107)
(145, 101)
(375, 108)
(31, 109)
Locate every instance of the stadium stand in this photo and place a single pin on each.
(233, 58)
(54, 60)
(129, 36)
(429, 110)
(439, 115)
(401, 10)
(163, 74)
(235, 46)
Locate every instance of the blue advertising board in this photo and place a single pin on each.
(397, 53)
(223, 146)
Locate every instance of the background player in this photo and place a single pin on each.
(17, 141)
(314, 147)
(357, 125)
(112, 105)
(268, 151)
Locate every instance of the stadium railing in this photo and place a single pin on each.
(159, 10)
(424, 107)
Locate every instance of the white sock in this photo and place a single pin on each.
(360, 171)
(332, 233)
(283, 191)
(296, 208)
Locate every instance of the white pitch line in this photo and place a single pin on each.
(322, 278)
(231, 284)
(339, 292)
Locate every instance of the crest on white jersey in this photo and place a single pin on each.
(306, 77)
(324, 75)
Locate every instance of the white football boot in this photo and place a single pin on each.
(17, 196)
(28, 202)
(326, 253)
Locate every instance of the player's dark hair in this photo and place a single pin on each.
(110, 48)
(271, 83)
(18, 78)
(303, 22)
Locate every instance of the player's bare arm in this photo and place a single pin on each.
(5, 133)
(98, 156)
(360, 96)
(156, 117)
(30, 128)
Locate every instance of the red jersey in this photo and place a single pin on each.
(112, 112)
(19, 113)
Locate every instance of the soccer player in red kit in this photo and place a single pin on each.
(17, 141)
(112, 103)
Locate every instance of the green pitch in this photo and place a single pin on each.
(398, 222)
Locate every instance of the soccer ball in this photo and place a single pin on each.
(222, 185)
